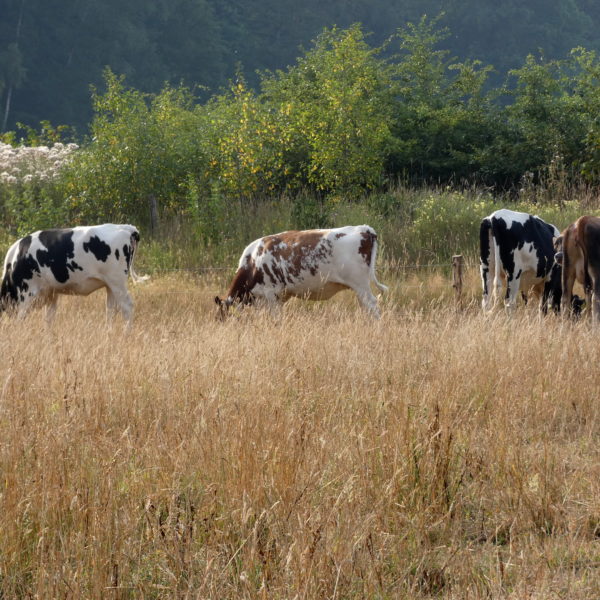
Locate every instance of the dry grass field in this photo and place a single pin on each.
(316, 454)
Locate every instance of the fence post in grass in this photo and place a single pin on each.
(153, 204)
(457, 279)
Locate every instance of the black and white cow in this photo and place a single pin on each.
(75, 261)
(313, 264)
(518, 247)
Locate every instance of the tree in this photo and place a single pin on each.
(142, 147)
(337, 100)
(441, 113)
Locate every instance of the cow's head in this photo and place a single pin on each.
(229, 306)
(558, 249)
(222, 308)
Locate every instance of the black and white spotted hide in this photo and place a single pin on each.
(74, 261)
(518, 247)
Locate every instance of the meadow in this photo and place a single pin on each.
(315, 454)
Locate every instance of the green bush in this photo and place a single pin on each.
(447, 223)
(32, 206)
(208, 213)
(141, 148)
(336, 101)
(310, 211)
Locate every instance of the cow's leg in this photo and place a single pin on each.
(271, 299)
(486, 284)
(273, 303)
(568, 280)
(512, 293)
(496, 289)
(125, 303)
(487, 264)
(595, 276)
(111, 304)
(596, 307)
(25, 305)
(545, 299)
(119, 300)
(368, 301)
(51, 304)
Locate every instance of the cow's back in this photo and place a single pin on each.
(524, 243)
(95, 252)
(304, 260)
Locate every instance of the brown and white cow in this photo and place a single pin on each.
(313, 264)
(578, 251)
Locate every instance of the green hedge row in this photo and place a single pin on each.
(344, 126)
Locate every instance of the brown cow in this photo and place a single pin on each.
(578, 250)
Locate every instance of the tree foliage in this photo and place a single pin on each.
(142, 147)
(337, 103)
(347, 118)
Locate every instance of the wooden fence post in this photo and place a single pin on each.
(457, 279)
(153, 204)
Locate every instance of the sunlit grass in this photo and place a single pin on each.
(310, 454)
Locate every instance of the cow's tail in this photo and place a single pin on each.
(380, 286)
(135, 238)
(487, 261)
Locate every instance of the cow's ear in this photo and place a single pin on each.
(218, 301)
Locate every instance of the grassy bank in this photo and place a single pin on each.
(315, 455)
(415, 226)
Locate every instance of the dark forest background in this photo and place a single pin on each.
(51, 51)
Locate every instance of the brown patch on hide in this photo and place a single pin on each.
(244, 281)
(367, 241)
(299, 250)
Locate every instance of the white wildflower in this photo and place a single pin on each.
(26, 164)
(8, 179)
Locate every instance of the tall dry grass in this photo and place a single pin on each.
(315, 454)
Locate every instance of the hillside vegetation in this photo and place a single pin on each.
(51, 52)
(342, 133)
(315, 453)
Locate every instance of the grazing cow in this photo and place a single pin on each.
(313, 264)
(518, 247)
(74, 261)
(578, 251)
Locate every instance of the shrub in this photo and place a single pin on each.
(311, 211)
(448, 223)
(142, 147)
(336, 100)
